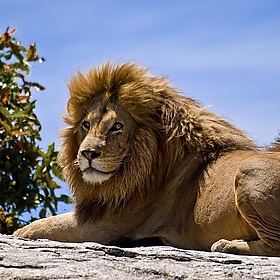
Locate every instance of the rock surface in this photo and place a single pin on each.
(44, 259)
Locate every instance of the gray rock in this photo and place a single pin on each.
(44, 259)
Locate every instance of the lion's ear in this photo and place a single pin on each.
(75, 112)
(69, 108)
(68, 117)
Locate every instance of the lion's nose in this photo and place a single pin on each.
(90, 155)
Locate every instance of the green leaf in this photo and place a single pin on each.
(22, 48)
(8, 55)
(18, 115)
(42, 213)
(65, 198)
(35, 85)
(32, 53)
(50, 182)
(28, 108)
(57, 171)
(50, 149)
(22, 66)
(4, 112)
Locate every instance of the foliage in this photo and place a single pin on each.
(26, 172)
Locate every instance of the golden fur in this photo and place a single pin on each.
(178, 122)
(276, 146)
(143, 161)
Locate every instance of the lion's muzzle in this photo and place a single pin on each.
(93, 166)
(90, 154)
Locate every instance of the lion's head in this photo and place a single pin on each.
(105, 135)
(126, 132)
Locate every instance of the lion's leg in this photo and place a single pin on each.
(241, 247)
(257, 189)
(68, 228)
(61, 228)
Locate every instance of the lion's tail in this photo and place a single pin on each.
(275, 146)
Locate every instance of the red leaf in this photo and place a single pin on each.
(5, 98)
(13, 31)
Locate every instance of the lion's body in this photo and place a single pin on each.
(144, 162)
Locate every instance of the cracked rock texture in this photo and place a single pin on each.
(44, 259)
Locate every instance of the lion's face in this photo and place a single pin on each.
(105, 136)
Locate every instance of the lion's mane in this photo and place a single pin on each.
(276, 146)
(171, 127)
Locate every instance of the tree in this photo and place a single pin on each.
(26, 172)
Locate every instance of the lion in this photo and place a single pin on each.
(146, 164)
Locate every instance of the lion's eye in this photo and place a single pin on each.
(86, 125)
(117, 127)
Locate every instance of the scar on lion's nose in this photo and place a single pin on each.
(90, 155)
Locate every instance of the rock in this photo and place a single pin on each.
(44, 259)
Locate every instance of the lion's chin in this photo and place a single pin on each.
(95, 177)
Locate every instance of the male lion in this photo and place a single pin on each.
(144, 162)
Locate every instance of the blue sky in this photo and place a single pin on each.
(221, 53)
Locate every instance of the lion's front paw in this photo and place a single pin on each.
(23, 233)
(35, 230)
(226, 246)
(220, 246)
